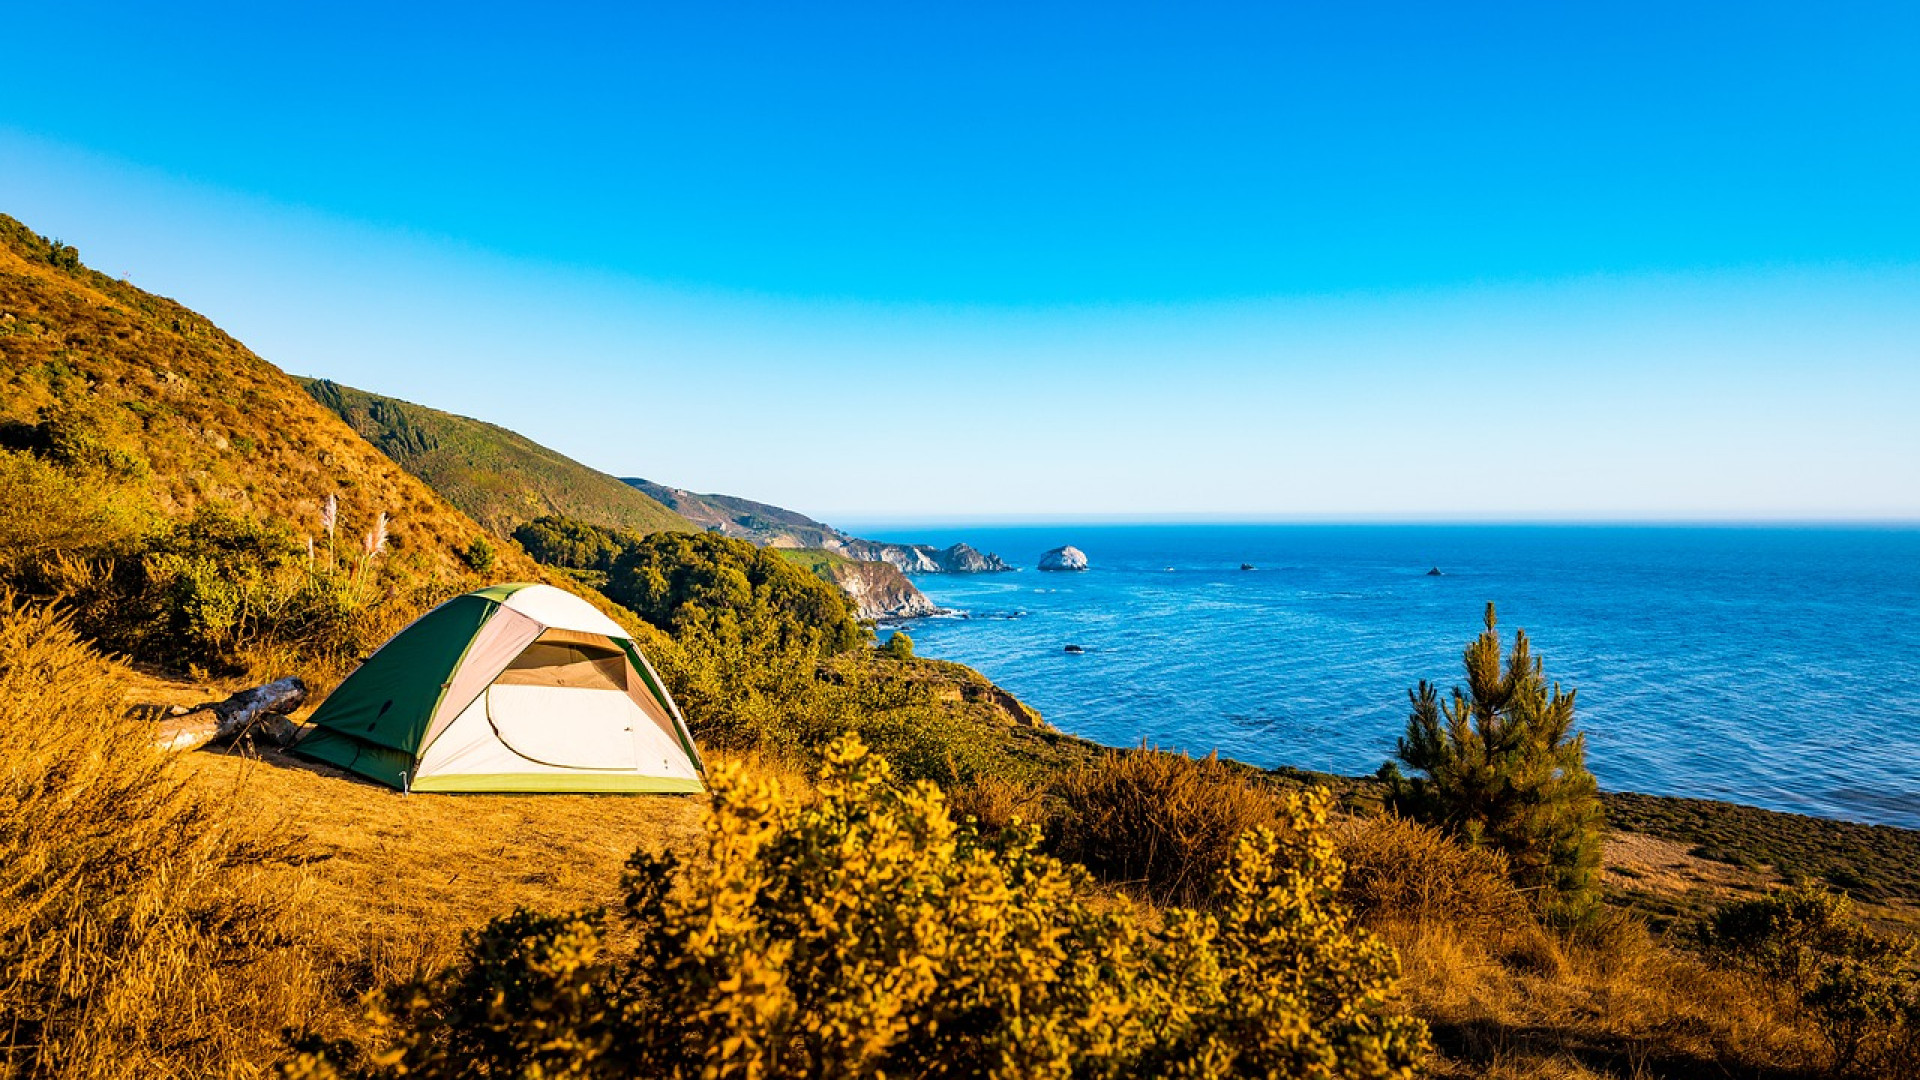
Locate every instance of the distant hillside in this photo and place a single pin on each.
(756, 521)
(500, 477)
(774, 526)
(506, 481)
(130, 390)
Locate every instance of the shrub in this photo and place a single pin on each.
(1160, 822)
(1869, 1016)
(480, 556)
(899, 646)
(1504, 769)
(1854, 984)
(572, 545)
(228, 593)
(1400, 871)
(47, 512)
(994, 804)
(863, 935)
(1787, 936)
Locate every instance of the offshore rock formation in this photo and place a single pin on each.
(1064, 558)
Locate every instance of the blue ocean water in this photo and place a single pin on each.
(1778, 667)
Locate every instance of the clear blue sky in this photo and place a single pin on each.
(909, 261)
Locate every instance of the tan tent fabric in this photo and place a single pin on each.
(582, 666)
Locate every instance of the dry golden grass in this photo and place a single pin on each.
(393, 880)
(1634, 1008)
(1400, 871)
(141, 920)
(1156, 821)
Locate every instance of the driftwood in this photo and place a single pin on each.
(256, 714)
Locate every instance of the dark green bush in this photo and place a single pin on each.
(572, 545)
(899, 646)
(680, 581)
(1855, 985)
(480, 556)
(1503, 768)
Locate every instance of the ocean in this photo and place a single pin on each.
(1778, 667)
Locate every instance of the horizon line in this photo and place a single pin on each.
(892, 521)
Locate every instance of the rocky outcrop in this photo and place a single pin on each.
(879, 590)
(966, 559)
(1064, 558)
(925, 558)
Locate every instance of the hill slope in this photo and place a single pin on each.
(878, 589)
(774, 526)
(499, 477)
(505, 480)
(169, 487)
(135, 389)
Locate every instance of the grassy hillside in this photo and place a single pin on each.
(172, 489)
(759, 522)
(498, 477)
(145, 397)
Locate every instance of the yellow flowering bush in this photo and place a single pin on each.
(862, 933)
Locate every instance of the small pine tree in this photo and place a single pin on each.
(480, 556)
(1503, 768)
(899, 646)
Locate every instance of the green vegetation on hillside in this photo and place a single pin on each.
(760, 522)
(496, 476)
(702, 584)
(186, 499)
(819, 562)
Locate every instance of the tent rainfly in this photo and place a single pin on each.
(510, 688)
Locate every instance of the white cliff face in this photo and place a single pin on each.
(881, 591)
(1064, 558)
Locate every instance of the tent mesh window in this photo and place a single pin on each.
(566, 658)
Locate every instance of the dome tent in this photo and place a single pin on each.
(522, 688)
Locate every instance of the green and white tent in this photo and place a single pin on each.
(510, 688)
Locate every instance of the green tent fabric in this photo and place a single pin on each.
(510, 688)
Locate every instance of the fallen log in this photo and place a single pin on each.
(256, 714)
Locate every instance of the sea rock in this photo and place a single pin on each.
(1064, 558)
(1246, 566)
(966, 559)
(1435, 572)
(1075, 650)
